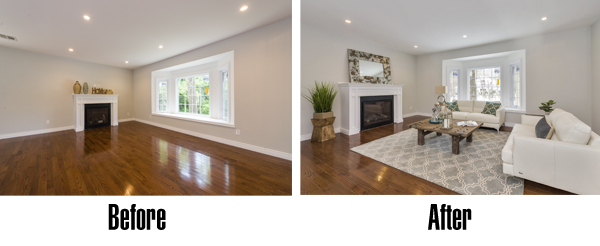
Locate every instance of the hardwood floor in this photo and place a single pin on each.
(136, 159)
(332, 168)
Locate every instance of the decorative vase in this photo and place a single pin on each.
(323, 127)
(85, 88)
(77, 88)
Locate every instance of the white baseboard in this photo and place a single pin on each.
(36, 132)
(415, 114)
(309, 136)
(125, 120)
(509, 124)
(271, 152)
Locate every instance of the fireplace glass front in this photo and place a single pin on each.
(97, 115)
(376, 111)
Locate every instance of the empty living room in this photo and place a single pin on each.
(145, 97)
(450, 97)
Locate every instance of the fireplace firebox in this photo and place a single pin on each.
(97, 115)
(376, 111)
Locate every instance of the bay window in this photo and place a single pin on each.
(200, 91)
(491, 77)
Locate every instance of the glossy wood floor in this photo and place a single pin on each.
(332, 168)
(136, 159)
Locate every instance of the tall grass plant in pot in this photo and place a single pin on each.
(321, 97)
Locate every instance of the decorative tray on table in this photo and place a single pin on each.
(435, 122)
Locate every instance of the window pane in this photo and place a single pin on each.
(162, 96)
(486, 84)
(225, 80)
(183, 99)
(452, 84)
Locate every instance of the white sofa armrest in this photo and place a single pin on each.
(501, 113)
(567, 166)
(530, 120)
(533, 159)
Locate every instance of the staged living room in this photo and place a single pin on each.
(145, 97)
(474, 98)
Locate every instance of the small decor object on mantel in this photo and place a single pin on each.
(85, 88)
(109, 92)
(77, 88)
(321, 97)
(547, 106)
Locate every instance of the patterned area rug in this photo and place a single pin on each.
(477, 170)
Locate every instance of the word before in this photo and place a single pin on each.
(139, 218)
(454, 219)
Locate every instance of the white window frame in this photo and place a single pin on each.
(211, 65)
(175, 93)
(502, 85)
(446, 83)
(522, 93)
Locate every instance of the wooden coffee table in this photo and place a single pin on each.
(458, 133)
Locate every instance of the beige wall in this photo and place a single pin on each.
(263, 85)
(596, 76)
(325, 58)
(36, 87)
(559, 67)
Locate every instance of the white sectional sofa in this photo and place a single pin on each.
(471, 110)
(570, 160)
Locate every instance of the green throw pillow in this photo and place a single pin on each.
(490, 108)
(452, 106)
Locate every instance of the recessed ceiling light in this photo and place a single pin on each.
(416, 46)
(544, 18)
(464, 36)
(348, 21)
(71, 50)
(244, 8)
(160, 46)
(86, 17)
(126, 61)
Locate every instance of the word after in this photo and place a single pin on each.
(140, 219)
(447, 218)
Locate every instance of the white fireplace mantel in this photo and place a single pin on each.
(80, 100)
(350, 94)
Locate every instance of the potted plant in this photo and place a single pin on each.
(547, 106)
(321, 98)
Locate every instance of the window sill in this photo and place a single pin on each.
(205, 120)
(515, 111)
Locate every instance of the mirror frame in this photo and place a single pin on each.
(354, 56)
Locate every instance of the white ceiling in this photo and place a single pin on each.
(439, 25)
(130, 30)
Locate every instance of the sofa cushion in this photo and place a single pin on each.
(478, 106)
(570, 129)
(453, 106)
(553, 116)
(460, 115)
(490, 108)
(485, 118)
(465, 106)
(542, 128)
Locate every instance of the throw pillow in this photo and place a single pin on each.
(452, 106)
(542, 128)
(491, 107)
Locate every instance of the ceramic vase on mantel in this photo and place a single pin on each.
(77, 88)
(323, 127)
(85, 88)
